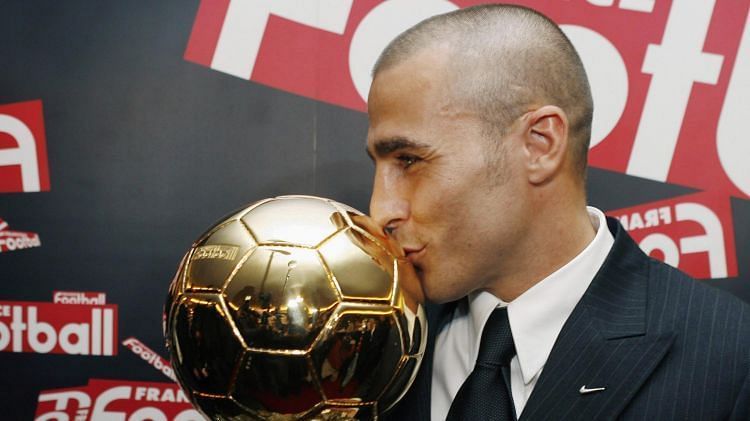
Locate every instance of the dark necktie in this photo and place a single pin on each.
(485, 394)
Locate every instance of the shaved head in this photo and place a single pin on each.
(505, 60)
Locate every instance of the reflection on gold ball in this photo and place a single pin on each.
(295, 307)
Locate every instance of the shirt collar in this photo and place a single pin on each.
(537, 316)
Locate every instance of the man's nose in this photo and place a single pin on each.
(389, 206)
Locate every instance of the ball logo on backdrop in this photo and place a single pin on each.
(23, 148)
(116, 400)
(17, 240)
(149, 356)
(692, 232)
(76, 323)
(72, 297)
(670, 97)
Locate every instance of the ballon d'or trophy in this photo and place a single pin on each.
(295, 307)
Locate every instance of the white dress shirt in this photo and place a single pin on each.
(536, 318)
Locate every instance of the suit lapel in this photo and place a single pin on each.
(603, 344)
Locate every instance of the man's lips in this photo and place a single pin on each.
(413, 254)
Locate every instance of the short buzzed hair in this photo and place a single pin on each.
(505, 59)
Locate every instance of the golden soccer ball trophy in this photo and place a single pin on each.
(295, 307)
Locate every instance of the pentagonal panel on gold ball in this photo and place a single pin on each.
(203, 344)
(362, 268)
(215, 257)
(280, 221)
(358, 358)
(269, 384)
(281, 298)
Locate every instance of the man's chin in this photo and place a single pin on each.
(437, 295)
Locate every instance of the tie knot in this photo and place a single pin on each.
(496, 347)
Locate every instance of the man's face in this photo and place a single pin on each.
(453, 201)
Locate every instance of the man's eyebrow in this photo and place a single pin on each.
(387, 146)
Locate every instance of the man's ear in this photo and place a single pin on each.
(545, 140)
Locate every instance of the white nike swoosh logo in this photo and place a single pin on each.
(584, 390)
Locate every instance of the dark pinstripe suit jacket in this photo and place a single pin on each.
(664, 346)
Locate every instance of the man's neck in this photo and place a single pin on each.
(551, 243)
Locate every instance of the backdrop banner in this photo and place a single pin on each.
(127, 128)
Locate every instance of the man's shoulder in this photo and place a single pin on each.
(676, 300)
(685, 305)
(666, 282)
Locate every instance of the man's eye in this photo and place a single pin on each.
(408, 160)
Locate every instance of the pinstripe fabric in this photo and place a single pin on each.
(664, 346)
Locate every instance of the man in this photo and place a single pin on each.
(479, 129)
